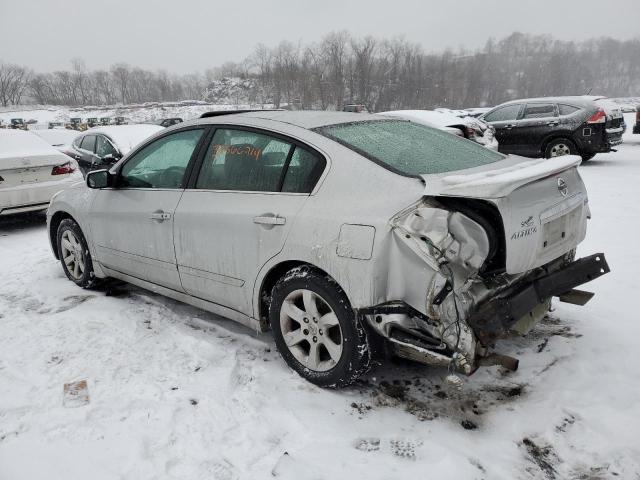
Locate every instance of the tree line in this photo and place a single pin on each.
(341, 69)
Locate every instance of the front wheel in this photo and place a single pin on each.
(74, 254)
(315, 329)
(560, 147)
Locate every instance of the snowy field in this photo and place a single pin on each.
(175, 392)
(144, 112)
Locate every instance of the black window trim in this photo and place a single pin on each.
(197, 167)
(187, 174)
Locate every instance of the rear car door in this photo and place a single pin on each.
(132, 223)
(503, 119)
(250, 187)
(537, 121)
(85, 150)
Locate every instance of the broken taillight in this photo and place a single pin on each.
(63, 169)
(598, 117)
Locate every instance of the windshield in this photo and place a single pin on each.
(408, 148)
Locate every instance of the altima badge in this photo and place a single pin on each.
(562, 187)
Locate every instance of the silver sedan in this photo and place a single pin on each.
(348, 235)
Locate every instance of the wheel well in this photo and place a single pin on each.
(271, 278)
(53, 230)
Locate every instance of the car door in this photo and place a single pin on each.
(537, 121)
(504, 120)
(107, 154)
(85, 153)
(132, 223)
(248, 191)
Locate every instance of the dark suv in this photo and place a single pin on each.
(556, 126)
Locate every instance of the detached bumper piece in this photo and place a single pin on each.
(494, 319)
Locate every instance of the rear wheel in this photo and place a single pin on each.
(315, 329)
(74, 254)
(560, 147)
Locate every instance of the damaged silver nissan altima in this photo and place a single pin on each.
(345, 234)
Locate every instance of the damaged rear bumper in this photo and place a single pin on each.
(497, 317)
(414, 335)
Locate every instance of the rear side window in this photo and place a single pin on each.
(539, 110)
(567, 109)
(409, 148)
(503, 114)
(303, 172)
(244, 161)
(89, 143)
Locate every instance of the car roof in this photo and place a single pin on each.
(308, 119)
(575, 99)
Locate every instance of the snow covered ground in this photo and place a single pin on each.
(175, 392)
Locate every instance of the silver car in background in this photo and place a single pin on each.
(348, 235)
(465, 126)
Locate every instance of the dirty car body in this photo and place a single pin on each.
(440, 246)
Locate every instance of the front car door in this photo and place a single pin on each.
(249, 189)
(132, 223)
(504, 119)
(536, 122)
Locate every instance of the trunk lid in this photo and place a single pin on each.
(542, 202)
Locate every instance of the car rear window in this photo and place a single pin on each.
(408, 148)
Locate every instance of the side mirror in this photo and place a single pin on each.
(111, 158)
(99, 179)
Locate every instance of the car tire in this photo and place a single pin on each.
(587, 156)
(559, 147)
(315, 329)
(74, 254)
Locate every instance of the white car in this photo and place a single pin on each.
(31, 172)
(345, 233)
(60, 138)
(467, 127)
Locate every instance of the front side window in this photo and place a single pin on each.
(503, 114)
(162, 163)
(539, 110)
(409, 148)
(104, 147)
(244, 161)
(89, 143)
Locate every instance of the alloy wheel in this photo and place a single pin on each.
(72, 254)
(311, 330)
(560, 149)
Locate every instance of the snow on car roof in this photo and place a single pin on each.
(127, 136)
(18, 143)
(57, 136)
(426, 117)
(308, 119)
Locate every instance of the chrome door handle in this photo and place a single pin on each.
(160, 216)
(269, 220)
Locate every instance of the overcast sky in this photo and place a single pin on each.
(192, 35)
